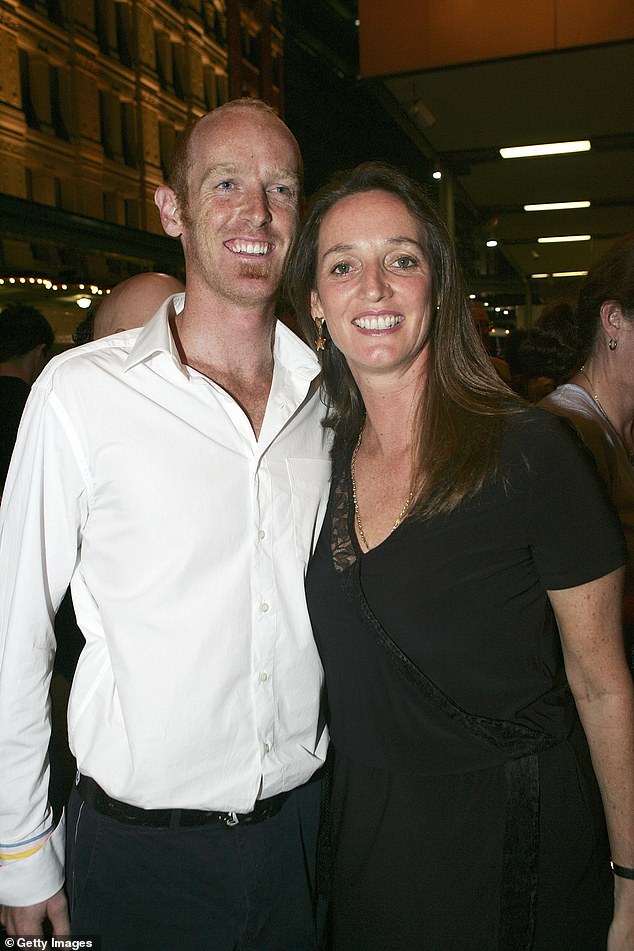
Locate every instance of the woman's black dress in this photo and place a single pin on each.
(465, 814)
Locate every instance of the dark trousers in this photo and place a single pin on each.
(246, 888)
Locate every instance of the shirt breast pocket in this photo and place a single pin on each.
(309, 480)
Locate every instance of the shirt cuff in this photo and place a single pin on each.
(37, 877)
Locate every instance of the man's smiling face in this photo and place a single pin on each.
(242, 204)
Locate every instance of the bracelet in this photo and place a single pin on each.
(622, 871)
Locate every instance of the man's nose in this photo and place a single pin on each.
(256, 207)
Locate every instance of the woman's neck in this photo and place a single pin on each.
(614, 400)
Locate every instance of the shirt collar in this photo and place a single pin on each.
(156, 336)
(290, 354)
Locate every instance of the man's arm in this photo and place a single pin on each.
(43, 509)
(589, 619)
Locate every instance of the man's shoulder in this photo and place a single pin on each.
(86, 362)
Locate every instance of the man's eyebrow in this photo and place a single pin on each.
(231, 168)
(223, 168)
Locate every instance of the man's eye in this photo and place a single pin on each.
(224, 186)
(283, 190)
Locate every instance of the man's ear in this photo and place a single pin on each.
(167, 204)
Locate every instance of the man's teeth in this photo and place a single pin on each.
(249, 247)
(377, 323)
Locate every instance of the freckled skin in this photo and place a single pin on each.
(243, 185)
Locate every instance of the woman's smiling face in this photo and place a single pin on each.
(373, 284)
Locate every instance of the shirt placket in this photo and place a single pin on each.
(265, 609)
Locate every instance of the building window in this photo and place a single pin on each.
(111, 137)
(125, 44)
(25, 83)
(131, 208)
(180, 72)
(164, 61)
(56, 11)
(59, 92)
(167, 138)
(128, 130)
(106, 26)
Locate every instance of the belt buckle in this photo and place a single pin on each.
(232, 819)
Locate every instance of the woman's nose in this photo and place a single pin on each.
(376, 283)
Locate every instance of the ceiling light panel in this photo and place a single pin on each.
(548, 148)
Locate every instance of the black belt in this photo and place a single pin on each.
(94, 795)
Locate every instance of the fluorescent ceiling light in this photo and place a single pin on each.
(569, 273)
(536, 276)
(557, 206)
(557, 239)
(548, 148)
(492, 243)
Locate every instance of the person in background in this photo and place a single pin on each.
(467, 618)
(26, 338)
(175, 475)
(479, 314)
(599, 399)
(133, 302)
(547, 355)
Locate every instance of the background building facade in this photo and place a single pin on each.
(92, 96)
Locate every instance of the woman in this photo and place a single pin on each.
(465, 812)
(599, 399)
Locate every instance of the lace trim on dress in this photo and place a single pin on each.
(344, 553)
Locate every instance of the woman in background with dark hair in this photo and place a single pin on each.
(599, 399)
(547, 355)
(464, 622)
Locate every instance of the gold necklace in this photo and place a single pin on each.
(596, 399)
(357, 514)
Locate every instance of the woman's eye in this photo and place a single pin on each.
(405, 261)
(341, 268)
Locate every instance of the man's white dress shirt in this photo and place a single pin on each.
(186, 540)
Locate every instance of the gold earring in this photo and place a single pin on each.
(321, 341)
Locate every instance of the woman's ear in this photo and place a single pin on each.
(316, 310)
(611, 316)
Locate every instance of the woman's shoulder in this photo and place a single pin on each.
(539, 442)
(534, 426)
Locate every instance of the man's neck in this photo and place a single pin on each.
(233, 346)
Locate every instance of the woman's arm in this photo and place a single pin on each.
(589, 620)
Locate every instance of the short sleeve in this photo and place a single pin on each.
(571, 525)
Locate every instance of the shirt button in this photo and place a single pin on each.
(264, 607)
(261, 534)
(267, 748)
(264, 677)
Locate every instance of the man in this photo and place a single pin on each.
(132, 302)
(26, 338)
(177, 474)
